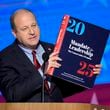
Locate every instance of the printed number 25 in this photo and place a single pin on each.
(77, 27)
(86, 69)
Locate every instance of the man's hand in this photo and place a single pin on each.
(97, 69)
(53, 62)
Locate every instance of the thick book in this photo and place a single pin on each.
(81, 46)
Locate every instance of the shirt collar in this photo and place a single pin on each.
(39, 52)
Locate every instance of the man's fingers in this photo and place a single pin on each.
(55, 58)
(97, 69)
(53, 61)
(55, 64)
(98, 66)
(53, 54)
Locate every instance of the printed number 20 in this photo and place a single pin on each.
(78, 28)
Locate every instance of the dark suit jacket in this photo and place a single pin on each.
(19, 79)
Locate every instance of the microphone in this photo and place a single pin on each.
(45, 58)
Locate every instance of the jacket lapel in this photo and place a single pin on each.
(24, 60)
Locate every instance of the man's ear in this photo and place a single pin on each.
(14, 33)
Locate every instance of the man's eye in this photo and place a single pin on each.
(34, 25)
(24, 29)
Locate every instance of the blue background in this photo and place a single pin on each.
(49, 15)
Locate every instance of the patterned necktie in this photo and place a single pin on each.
(37, 65)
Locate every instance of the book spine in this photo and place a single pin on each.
(60, 38)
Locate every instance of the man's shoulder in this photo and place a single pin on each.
(46, 43)
(7, 50)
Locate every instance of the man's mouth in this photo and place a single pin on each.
(33, 37)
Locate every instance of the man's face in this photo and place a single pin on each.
(27, 30)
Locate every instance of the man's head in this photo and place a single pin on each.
(25, 28)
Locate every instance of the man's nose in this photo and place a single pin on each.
(31, 31)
